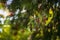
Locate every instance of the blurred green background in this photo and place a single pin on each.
(29, 19)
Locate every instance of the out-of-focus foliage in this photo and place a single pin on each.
(30, 20)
